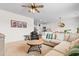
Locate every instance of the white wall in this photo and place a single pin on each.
(14, 34)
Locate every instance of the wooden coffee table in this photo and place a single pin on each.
(34, 43)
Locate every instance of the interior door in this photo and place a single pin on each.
(2, 37)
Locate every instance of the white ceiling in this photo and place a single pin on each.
(50, 13)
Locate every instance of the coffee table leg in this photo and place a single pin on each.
(29, 49)
(39, 48)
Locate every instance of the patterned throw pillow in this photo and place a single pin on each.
(49, 36)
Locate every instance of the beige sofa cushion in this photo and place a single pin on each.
(63, 47)
(54, 53)
(52, 43)
(73, 36)
(76, 42)
(49, 43)
(55, 41)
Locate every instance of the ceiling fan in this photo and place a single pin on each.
(33, 7)
(61, 23)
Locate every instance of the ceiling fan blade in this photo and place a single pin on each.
(39, 6)
(37, 10)
(26, 6)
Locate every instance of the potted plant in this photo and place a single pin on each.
(74, 51)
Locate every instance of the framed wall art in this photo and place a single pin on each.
(18, 24)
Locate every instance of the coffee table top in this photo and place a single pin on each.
(35, 42)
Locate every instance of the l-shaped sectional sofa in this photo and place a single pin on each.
(63, 47)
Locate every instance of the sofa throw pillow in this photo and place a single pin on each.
(66, 36)
(60, 36)
(49, 36)
(72, 37)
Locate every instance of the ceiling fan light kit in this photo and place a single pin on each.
(33, 7)
(32, 10)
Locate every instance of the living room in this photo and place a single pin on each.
(57, 26)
